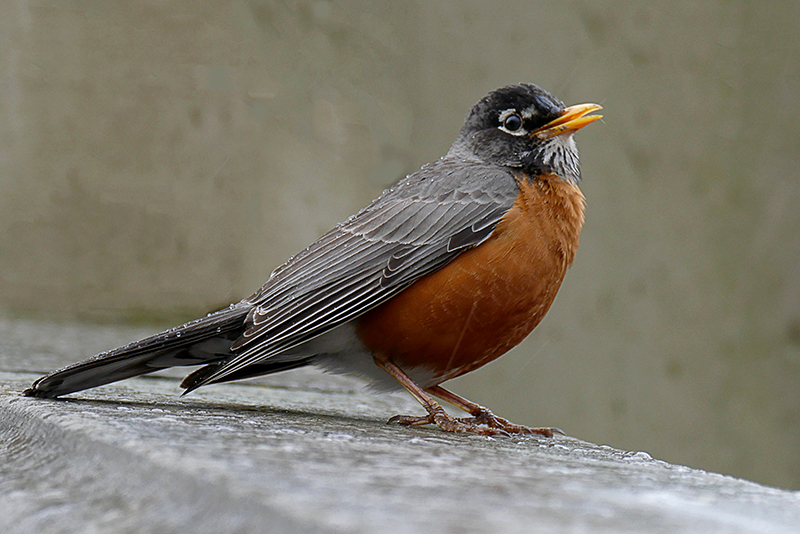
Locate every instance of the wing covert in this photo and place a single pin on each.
(412, 229)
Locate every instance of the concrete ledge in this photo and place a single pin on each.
(311, 453)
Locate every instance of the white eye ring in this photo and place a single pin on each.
(504, 116)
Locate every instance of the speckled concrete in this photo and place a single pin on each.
(307, 452)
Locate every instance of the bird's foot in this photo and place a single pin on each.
(487, 418)
(448, 423)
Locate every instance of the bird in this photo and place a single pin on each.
(442, 273)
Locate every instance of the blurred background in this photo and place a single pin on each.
(159, 158)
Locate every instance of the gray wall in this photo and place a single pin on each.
(158, 159)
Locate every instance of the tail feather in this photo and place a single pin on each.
(198, 378)
(203, 341)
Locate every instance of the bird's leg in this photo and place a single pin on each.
(483, 416)
(436, 414)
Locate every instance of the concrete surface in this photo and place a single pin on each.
(307, 452)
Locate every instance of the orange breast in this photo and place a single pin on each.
(489, 298)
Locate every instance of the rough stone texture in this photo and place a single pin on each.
(307, 452)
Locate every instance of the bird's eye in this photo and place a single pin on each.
(512, 123)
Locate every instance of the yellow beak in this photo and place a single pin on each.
(573, 119)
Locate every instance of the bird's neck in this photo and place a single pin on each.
(548, 197)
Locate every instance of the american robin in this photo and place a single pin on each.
(441, 274)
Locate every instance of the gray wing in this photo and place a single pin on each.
(411, 230)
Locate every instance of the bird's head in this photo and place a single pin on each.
(525, 127)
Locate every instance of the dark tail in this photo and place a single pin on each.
(200, 342)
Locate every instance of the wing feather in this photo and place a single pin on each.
(411, 230)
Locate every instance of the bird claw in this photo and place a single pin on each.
(487, 418)
(485, 424)
(446, 423)
(410, 420)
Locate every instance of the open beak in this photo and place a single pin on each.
(573, 119)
